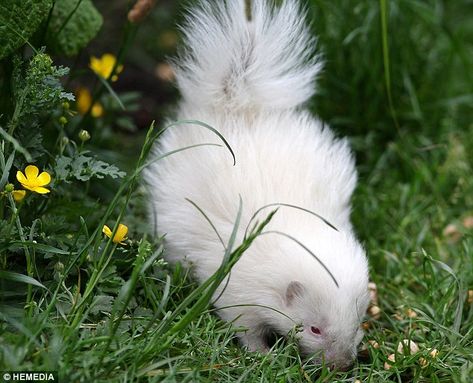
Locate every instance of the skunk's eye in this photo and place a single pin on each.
(315, 330)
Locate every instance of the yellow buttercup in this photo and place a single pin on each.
(120, 234)
(33, 180)
(103, 66)
(18, 195)
(83, 102)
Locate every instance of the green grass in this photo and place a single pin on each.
(107, 312)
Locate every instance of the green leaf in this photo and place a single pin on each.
(83, 168)
(73, 24)
(16, 277)
(37, 246)
(62, 168)
(101, 169)
(6, 170)
(18, 21)
(16, 145)
(101, 303)
(37, 89)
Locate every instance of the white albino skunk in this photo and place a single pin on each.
(247, 72)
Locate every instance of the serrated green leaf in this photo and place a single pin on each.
(80, 168)
(73, 24)
(101, 169)
(83, 168)
(61, 170)
(37, 90)
(18, 21)
(101, 303)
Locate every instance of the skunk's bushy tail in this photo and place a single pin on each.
(247, 54)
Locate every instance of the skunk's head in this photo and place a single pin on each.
(328, 304)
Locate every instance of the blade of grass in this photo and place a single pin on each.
(110, 90)
(306, 249)
(6, 170)
(291, 206)
(21, 278)
(208, 220)
(386, 62)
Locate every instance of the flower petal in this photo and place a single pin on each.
(21, 177)
(95, 64)
(121, 233)
(40, 190)
(31, 172)
(43, 179)
(106, 230)
(18, 195)
(29, 187)
(108, 60)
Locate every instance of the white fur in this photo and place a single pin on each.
(249, 80)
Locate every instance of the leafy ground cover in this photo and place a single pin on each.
(398, 81)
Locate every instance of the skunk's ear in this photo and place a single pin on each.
(294, 289)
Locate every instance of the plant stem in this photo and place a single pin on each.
(29, 264)
(129, 36)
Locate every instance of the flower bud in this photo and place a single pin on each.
(63, 120)
(64, 141)
(84, 135)
(59, 267)
(140, 10)
(66, 105)
(9, 188)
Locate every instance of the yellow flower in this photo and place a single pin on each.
(18, 195)
(33, 180)
(84, 99)
(119, 236)
(103, 66)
